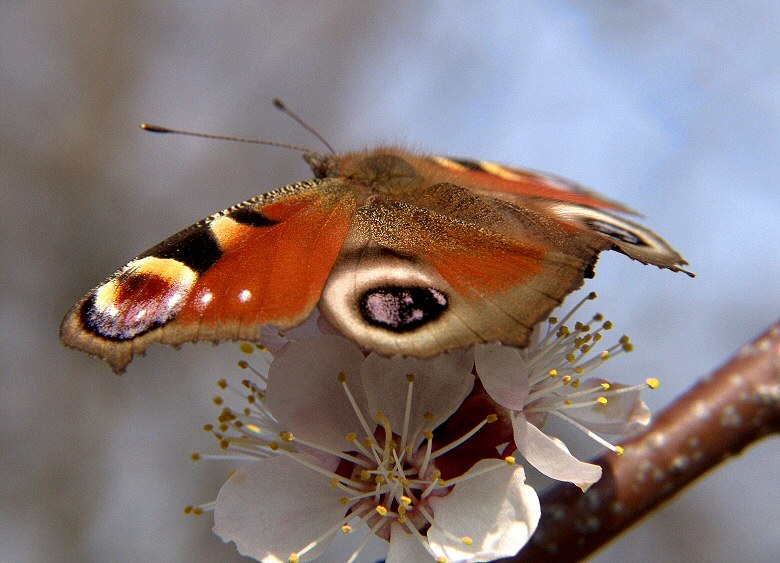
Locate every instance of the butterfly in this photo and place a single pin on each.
(403, 253)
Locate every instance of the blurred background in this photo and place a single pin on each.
(670, 107)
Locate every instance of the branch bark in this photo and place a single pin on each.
(721, 415)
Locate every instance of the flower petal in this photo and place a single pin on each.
(304, 393)
(623, 414)
(504, 374)
(276, 507)
(497, 510)
(441, 384)
(405, 547)
(550, 456)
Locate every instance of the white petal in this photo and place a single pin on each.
(441, 384)
(275, 507)
(304, 393)
(550, 457)
(497, 510)
(405, 547)
(503, 372)
(624, 413)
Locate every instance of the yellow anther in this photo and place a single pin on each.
(575, 384)
(491, 418)
(619, 450)
(401, 510)
(262, 347)
(402, 519)
(254, 428)
(628, 347)
(247, 348)
(406, 501)
(381, 510)
(510, 460)
(607, 325)
(567, 402)
(293, 558)
(605, 386)
(602, 400)
(467, 540)
(208, 427)
(346, 528)
(351, 437)
(197, 511)
(428, 415)
(578, 370)
(410, 378)
(566, 379)
(222, 383)
(368, 442)
(344, 501)
(653, 383)
(342, 377)
(195, 456)
(274, 446)
(218, 400)
(598, 317)
(365, 475)
(380, 480)
(334, 483)
(188, 509)
(441, 559)
(428, 434)
(571, 357)
(286, 436)
(596, 337)
(224, 444)
(592, 295)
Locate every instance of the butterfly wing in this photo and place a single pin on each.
(569, 202)
(493, 177)
(261, 262)
(442, 267)
(438, 259)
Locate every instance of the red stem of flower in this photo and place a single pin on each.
(718, 418)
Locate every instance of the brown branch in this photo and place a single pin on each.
(719, 417)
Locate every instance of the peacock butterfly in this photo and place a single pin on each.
(403, 253)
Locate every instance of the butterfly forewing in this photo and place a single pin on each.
(262, 262)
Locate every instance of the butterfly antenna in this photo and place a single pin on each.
(278, 104)
(160, 129)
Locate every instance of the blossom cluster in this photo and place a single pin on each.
(424, 453)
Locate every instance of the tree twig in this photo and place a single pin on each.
(716, 419)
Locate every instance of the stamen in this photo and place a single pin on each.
(459, 441)
(408, 409)
(343, 380)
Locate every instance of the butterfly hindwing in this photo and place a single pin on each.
(262, 262)
(442, 267)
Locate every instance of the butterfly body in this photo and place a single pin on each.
(404, 254)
